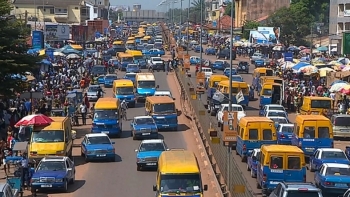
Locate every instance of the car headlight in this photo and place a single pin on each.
(59, 180)
(140, 159)
(34, 180)
(111, 151)
(89, 152)
(60, 152)
(154, 130)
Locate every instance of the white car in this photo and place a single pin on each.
(224, 107)
(163, 93)
(327, 155)
(275, 113)
(207, 72)
(256, 56)
(285, 128)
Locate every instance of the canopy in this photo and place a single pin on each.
(338, 81)
(337, 87)
(76, 47)
(300, 65)
(322, 48)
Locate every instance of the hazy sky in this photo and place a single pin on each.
(147, 4)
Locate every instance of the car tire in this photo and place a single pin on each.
(86, 159)
(73, 180)
(248, 169)
(219, 124)
(311, 168)
(252, 174)
(65, 187)
(138, 168)
(82, 154)
(258, 186)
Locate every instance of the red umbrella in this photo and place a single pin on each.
(345, 91)
(34, 120)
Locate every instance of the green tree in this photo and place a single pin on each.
(195, 10)
(249, 25)
(113, 15)
(294, 23)
(13, 51)
(228, 9)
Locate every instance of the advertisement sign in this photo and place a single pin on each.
(187, 63)
(37, 40)
(266, 35)
(79, 32)
(49, 54)
(346, 43)
(288, 57)
(57, 32)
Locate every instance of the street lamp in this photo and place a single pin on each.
(200, 37)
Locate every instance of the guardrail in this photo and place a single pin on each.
(230, 177)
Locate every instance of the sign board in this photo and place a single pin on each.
(180, 54)
(346, 43)
(214, 24)
(288, 57)
(230, 128)
(57, 32)
(49, 54)
(37, 40)
(200, 77)
(187, 63)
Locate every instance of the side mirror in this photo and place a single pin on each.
(74, 134)
(113, 142)
(154, 188)
(167, 149)
(136, 150)
(69, 169)
(205, 187)
(157, 86)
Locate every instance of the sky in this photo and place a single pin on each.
(147, 4)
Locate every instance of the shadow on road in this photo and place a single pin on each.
(71, 188)
(78, 160)
(182, 127)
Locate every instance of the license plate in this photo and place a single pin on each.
(344, 130)
(151, 164)
(340, 185)
(46, 185)
(146, 133)
(101, 155)
(106, 132)
(165, 125)
(100, 123)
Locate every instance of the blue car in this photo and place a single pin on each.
(144, 127)
(97, 146)
(333, 179)
(198, 49)
(252, 162)
(327, 155)
(141, 62)
(101, 79)
(54, 173)
(130, 76)
(194, 60)
(284, 133)
(154, 52)
(210, 51)
(220, 65)
(148, 153)
(109, 78)
(260, 63)
(227, 72)
(133, 68)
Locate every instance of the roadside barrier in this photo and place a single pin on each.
(229, 176)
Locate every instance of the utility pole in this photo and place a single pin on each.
(200, 37)
(188, 24)
(25, 18)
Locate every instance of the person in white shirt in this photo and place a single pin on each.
(83, 111)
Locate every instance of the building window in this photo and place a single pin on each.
(52, 11)
(95, 10)
(61, 11)
(76, 8)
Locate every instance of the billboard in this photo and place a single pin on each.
(79, 32)
(57, 32)
(37, 40)
(120, 7)
(265, 35)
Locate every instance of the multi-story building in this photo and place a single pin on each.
(339, 22)
(248, 10)
(61, 11)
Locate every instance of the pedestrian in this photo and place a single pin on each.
(25, 171)
(83, 111)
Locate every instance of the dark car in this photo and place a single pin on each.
(99, 70)
(224, 53)
(210, 51)
(243, 67)
(198, 49)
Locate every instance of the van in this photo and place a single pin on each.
(145, 85)
(237, 89)
(123, 89)
(341, 125)
(53, 140)
(259, 72)
(271, 93)
(124, 60)
(279, 163)
(163, 111)
(107, 117)
(253, 132)
(312, 132)
(175, 168)
(316, 105)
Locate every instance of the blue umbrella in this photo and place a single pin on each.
(322, 48)
(338, 81)
(18, 76)
(293, 48)
(300, 65)
(45, 61)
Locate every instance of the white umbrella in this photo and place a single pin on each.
(56, 53)
(337, 87)
(308, 69)
(73, 56)
(326, 69)
(288, 65)
(277, 48)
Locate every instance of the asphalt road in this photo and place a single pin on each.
(120, 178)
(252, 110)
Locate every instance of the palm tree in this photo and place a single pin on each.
(196, 10)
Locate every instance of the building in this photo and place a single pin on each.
(339, 22)
(136, 7)
(248, 10)
(61, 11)
(143, 15)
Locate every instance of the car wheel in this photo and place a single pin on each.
(82, 154)
(248, 169)
(65, 187)
(73, 180)
(252, 174)
(138, 168)
(219, 124)
(86, 159)
(258, 186)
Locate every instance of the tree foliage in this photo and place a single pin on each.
(13, 52)
(228, 9)
(113, 15)
(248, 25)
(297, 21)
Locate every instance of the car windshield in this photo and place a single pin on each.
(139, 58)
(218, 62)
(93, 89)
(52, 166)
(297, 193)
(243, 63)
(287, 129)
(132, 66)
(276, 114)
(151, 147)
(239, 79)
(45, 136)
(98, 69)
(158, 45)
(276, 108)
(111, 77)
(234, 108)
(342, 121)
(125, 90)
(189, 183)
(338, 171)
(157, 59)
(146, 84)
(143, 121)
(98, 140)
(279, 120)
(333, 155)
(105, 114)
(164, 108)
(149, 47)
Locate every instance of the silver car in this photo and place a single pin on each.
(92, 92)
